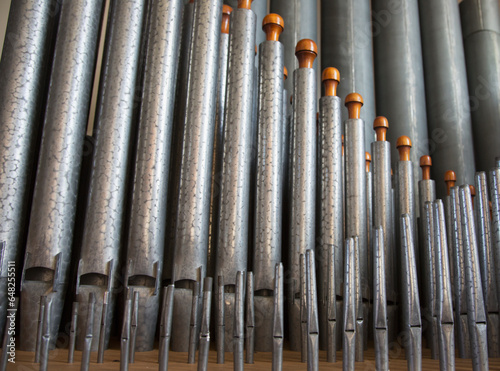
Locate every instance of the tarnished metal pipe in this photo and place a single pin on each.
(125, 332)
(409, 296)
(270, 180)
(449, 224)
(476, 313)
(39, 328)
(444, 305)
(52, 218)
(278, 322)
(47, 334)
(249, 319)
(303, 175)
(133, 326)
(166, 326)
(330, 208)
(239, 327)
(331, 307)
(312, 314)
(193, 213)
(448, 109)
(193, 326)
(381, 333)
(72, 332)
(89, 333)
(303, 308)
(487, 264)
(220, 322)
(349, 310)
(205, 325)
(369, 226)
(355, 198)
(104, 326)
(24, 72)
(494, 182)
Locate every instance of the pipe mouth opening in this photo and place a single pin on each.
(185, 284)
(141, 280)
(264, 292)
(39, 274)
(94, 279)
(230, 289)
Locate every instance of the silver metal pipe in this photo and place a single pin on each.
(205, 325)
(24, 72)
(349, 322)
(331, 306)
(303, 186)
(409, 295)
(270, 182)
(330, 211)
(47, 334)
(239, 327)
(369, 227)
(444, 304)
(193, 327)
(459, 295)
(125, 332)
(487, 264)
(72, 332)
(360, 321)
(278, 322)
(476, 313)
(39, 328)
(220, 324)
(166, 326)
(104, 326)
(89, 333)
(381, 333)
(399, 74)
(448, 110)
(192, 222)
(48, 248)
(303, 308)
(346, 38)
(133, 326)
(250, 319)
(312, 314)
(494, 183)
(480, 22)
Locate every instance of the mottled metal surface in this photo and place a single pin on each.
(330, 207)
(166, 326)
(382, 210)
(278, 321)
(54, 202)
(24, 69)
(239, 327)
(312, 314)
(399, 74)
(301, 21)
(205, 324)
(332, 328)
(303, 188)
(476, 313)
(494, 184)
(349, 307)
(487, 262)
(250, 319)
(444, 305)
(448, 109)
(346, 43)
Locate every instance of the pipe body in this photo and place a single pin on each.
(494, 183)
(50, 234)
(448, 109)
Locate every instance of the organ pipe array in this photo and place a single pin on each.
(223, 210)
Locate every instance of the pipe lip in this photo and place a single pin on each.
(306, 52)
(403, 141)
(273, 25)
(381, 125)
(425, 161)
(450, 176)
(330, 73)
(354, 102)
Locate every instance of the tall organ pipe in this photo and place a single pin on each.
(269, 190)
(303, 176)
(24, 72)
(448, 109)
(50, 234)
(346, 36)
(192, 224)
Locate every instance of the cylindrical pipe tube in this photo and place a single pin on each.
(191, 238)
(48, 249)
(349, 307)
(494, 182)
(108, 181)
(346, 37)
(303, 176)
(24, 71)
(448, 109)
(330, 208)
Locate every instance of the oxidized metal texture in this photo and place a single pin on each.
(480, 20)
(448, 109)
(426, 193)
(349, 307)
(217, 153)
(444, 305)
(312, 314)
(346, 43)
(285, 141)
(303, 308)
(192, 224)
(166, 326)
(193, 325)
(487, 263)
(108, 180)
(409, 295)
(399, 75)
(24, 70)
(428, 278)
(45, 339)
(133, 327)
(360, 322)
(382, 210)
(250, 319)
(239, 327)
(181, 91)
(494, 182)
(125, 333)
(89, 332)
(220, 322)
(232, 239)
(330, 207)
(331, 308)
(381, 333)
(369, 227)
(205, 324)
(449, 234)
(278, 322)
(355, 194)
(301, 21)
(303, 186)
(72, 332)
(459, 294)
(54, 202)
(476, 313)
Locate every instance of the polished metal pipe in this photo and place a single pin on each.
(239, 327)
(278, 322)
(270, 181)
(331, 307)
(24, 72)
(448, 110)
(52, 218)
(444, 304)
(349, 310)
(166, 326)
(312, 314)
(476, 313)
(303, 175)
(205, 325)
(330, 207)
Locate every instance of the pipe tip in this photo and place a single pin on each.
(403, 141)
(354, 102)
(425, 164)
(450, 176)
(306, 52)
(472, 190)
(403, 145)
(245, 4)
(273, 25)
(226, 12)
(285, 73)
(226, 9)
(381, 125)
(425, 161)
(330, 78)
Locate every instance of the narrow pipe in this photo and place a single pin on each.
(205, 325)
(133, 327)
(250, 319)
(193, 327)
(166, 328)
(46, 335)
(239, 327)
(125, 333)
(331, 307)
(72, 332)
(278, 322)
(312, 314)
(349, 310)
(220, 320)
(104, 326)
(89, 333)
